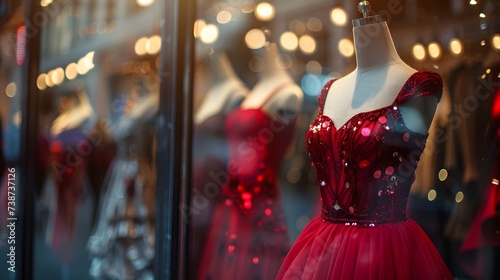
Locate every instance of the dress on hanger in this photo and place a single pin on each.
(365, 168)
(248, 238)
(122, 245)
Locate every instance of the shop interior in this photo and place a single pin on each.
(98, 105)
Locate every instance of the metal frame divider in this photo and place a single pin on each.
(174, 139)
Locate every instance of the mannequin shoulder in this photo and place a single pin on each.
(418, 113)
(287, 101)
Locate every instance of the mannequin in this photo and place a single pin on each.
(248, 237)
(425, 175)
(126, 210)
(370, 132)
(75, 110)
(368, 86)
(275, 89)
(225, 92)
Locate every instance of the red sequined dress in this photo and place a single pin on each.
(248, 238)
(365, 169)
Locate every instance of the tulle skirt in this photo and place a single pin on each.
(244, 246)
(399, 250)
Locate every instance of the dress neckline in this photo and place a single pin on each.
(269, 97)
(396, 99)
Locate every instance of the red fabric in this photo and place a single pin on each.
(484, 233)
(68, 167)
(495, 111)
(4, 197)
(365, 169)
(248, 238)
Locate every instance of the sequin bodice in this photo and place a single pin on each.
(257, 144)
(365, 168)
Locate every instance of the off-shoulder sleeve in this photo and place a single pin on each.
(420, 84)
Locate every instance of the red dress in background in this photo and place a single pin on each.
(484, 233)
(248, 238)
(365, 168)
(68, 153)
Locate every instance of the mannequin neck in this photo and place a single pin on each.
(221, 69)
(270, 55)
(374, 47)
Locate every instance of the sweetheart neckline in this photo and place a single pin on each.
(374, 110)
(426, 134)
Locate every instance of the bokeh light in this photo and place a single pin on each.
(209, 34)
(265, 11)
(224, 17)
(48, 80)
(71, 71)
(256, 64)
(154, 45)
(199, 24)
(443, 175)
(57, 76)
(346, 47)
(434, 50)
(289, 41)
(297, 26)
(82, 66)
(307, 44)
(11, 90)
(144, 3)
(255, 39)
(314, 24)
(40, 81)
(495, 41)
(140, 46)
(314, 67)
(456, 46)
(431, 195)
(418, 51)
(338, 17)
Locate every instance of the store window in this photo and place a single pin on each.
(277, 150)
(97, 128)
(12, 59)
(261, 68)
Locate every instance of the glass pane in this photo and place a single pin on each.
(98, 82)
(263, 69)
(12, 57)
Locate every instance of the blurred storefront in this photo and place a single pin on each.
(140, 112)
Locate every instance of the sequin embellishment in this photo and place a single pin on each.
(360, 161)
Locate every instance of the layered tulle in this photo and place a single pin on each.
(242, 247)
(327, 250)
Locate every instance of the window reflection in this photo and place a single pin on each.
(95, 212)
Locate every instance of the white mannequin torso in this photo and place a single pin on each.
(226, 92)
(375, 83)
(275, 89)
(74, 116)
